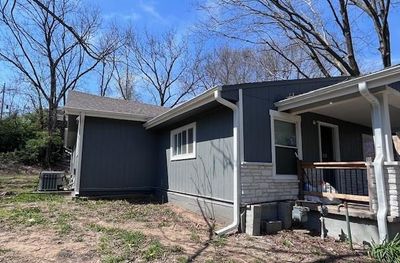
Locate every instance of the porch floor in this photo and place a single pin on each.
(355, 209)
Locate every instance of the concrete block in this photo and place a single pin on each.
(285, 214)
(253, 220)
(269, 211)
(271, 227)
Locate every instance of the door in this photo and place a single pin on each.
(329, 144)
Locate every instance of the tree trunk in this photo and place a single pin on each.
(52, 116)
(348, 38)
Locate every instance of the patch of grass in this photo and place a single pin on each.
(32, 198)
(154, 251)
(117, 244)
(177, 249)
(287, 243)
(4, 251)
(64, 223)
(194, 236)
(150, 212)
(219, 241)
(27, 216)
(78, 239)
(18, 183)
(182, 259)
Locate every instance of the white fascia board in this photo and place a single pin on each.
(374, 80)
(194, 103)
(105, 114)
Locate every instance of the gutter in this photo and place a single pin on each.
(105, 114)
(206, 97)
(380, 156)
(233, 227)
(344, 88)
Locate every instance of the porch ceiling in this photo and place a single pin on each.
(358, 110)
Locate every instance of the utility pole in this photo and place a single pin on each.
(2, 101)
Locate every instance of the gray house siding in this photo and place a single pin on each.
(350, 137)
(118, 156)
(258, 99)
(210, 174)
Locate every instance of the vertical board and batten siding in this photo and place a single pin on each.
(258, 99)
(210, 174)
(118, 156)
(350, 137)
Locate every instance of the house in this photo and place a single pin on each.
(243, 154)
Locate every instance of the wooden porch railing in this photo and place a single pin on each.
(341, 180)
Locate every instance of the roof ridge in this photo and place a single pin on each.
(281, 81)
(118, 99)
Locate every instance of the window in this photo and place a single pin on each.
(286, 143)
(183, 142)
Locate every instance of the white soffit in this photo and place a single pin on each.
(345, 88)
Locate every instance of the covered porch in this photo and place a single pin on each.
(350, 148)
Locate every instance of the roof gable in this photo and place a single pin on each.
(78, 102)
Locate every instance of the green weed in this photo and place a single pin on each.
(388, 251)
(219, 241)
(28, 216)
(155, 250)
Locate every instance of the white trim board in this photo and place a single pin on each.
(194, 103)
(336, 140)
(241, 128)
(282, 116)
(186, 155)
(374, 80)
(105, 114)
(81, 128)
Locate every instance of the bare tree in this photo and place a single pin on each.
(124, 65)
(166, 66)
(378, 12)
(42, 49)
(227, 65)
(105, 72)
(322, 29)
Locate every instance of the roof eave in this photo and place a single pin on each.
(105, 114)
(374, 80)
(192, 104)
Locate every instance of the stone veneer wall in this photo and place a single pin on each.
(392, 179)
(259, 185)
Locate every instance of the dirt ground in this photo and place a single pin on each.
(53, 228)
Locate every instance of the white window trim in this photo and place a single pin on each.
(186, 155)
(282, 116)
(336, 141)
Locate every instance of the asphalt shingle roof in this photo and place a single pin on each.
(84, 101)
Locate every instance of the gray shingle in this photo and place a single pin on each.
(84, 101)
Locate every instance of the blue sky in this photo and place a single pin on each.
(154, 15)
(182, 15)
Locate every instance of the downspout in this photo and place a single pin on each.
(79, 143)
(380, 156)
(236, 164)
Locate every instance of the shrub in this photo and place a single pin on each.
(35, 148)
(23, 140)
(15, 131)
(387, 252)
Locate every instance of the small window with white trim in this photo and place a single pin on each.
(286, 143)
(183, 142)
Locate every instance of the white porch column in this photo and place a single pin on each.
(378, 126)
(386, 127)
